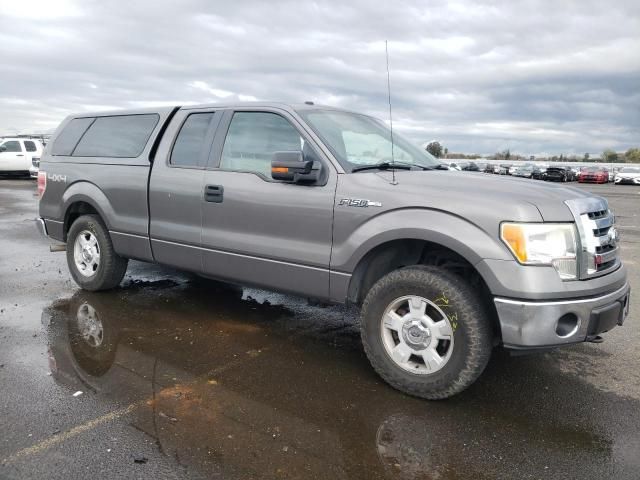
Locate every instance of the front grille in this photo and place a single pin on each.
(597, 234)
(598, 214)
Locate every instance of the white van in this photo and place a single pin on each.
(16, 154)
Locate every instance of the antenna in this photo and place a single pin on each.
(393, 160)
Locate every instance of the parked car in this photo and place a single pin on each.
(524, 171)
(504, 169)
(558, 174)
(35, 167)
(489, 168)
(16, 155)
(628, 175)
(574, 173)
(442, 266)
(539, 172)
(593, 175)
(470, 167)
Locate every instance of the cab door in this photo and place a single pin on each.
(259, 231)
(175, 188)
(12, 157)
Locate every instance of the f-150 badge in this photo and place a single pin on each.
(358, 202)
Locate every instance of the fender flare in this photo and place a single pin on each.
(91, 194)
(456, 233)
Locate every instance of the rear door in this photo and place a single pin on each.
(175, 188)
(12, 158)
(259, 231)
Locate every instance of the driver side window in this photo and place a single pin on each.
(252, 139)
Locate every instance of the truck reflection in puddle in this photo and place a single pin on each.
(278, 388)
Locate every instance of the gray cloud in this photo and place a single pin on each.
(535, 77)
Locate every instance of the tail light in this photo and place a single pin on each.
(42, 183)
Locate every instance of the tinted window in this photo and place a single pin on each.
(30, 146)
(188, 150)
(253, 138)
(117, 136)
(67, 140)
(12, 146)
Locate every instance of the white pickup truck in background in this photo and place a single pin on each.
(17, 154)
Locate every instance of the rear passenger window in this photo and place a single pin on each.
(12, 146)
(30, 146)
(253, 138)
(189, 149)
(123, 136)
(67, 140)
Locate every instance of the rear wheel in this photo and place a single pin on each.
(92, 261)
(426, 332)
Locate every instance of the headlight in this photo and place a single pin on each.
(543, 244)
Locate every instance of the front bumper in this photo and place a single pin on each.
(539, 324)
(627, 181)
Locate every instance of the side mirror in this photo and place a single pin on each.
(290, 166)
(3, 148)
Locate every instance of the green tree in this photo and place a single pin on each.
(586, 157)
(609, 156)
(435, 149)
(632, 155)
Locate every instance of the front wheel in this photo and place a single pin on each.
(425, 332)
(92, 261)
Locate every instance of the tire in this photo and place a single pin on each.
(102, 271)
(445, 295)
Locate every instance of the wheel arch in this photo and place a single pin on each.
(83, 198)
(404, 252)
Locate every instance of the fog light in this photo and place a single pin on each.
(567, 325)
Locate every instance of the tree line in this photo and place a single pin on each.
(632, 155)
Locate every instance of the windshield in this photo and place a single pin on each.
(630, 170)
(358, 140)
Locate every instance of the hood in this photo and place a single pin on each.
(628, 175)
(463, 193)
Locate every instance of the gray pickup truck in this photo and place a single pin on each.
(320, 202)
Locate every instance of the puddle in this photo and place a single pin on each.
(266, 385)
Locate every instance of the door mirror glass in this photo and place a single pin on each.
(3, 148)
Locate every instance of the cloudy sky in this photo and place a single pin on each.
(536, 77)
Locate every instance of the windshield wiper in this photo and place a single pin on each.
(389, 166)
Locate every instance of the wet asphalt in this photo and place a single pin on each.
(187, 378)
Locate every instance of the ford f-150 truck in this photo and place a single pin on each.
(325, 203)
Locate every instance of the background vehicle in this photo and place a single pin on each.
(470, 167)
(593, 175)
(16, 155)
(574, 173)
(35, 166)
(628, 175)
(539, 172)
(504, 169)
(306, 199)
(558, 174)
(525, 171)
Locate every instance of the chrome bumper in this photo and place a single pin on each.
(530, 324)
(42, 227)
